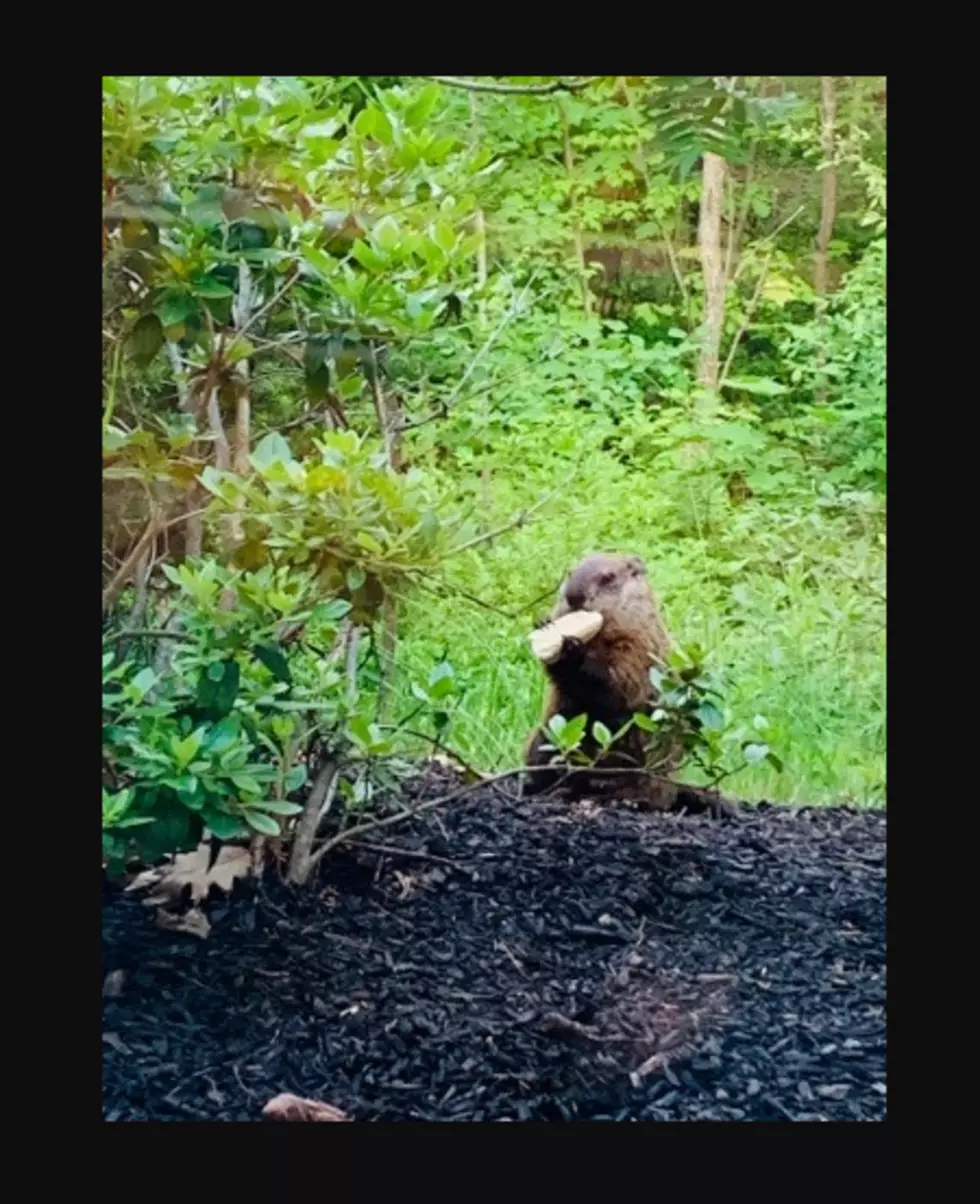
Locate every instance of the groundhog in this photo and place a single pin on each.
(608, 679)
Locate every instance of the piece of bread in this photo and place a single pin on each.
(581, 625)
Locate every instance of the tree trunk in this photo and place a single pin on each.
(194, 530)
(242, 308)
(828, 198)
(576, 230)
(387, 655)
(479, 226)
(828, 208)
(712, 267)
(241, 447)
(318, 803)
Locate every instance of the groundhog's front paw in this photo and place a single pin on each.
(572, 650)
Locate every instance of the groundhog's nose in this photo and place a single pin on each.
(575, 598)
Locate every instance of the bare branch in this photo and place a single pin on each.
(755, 298)
(489, 781)
(128, 566)
(262, 312)
(317, 804)
(475, 85)
(514, 522)
(148, 633)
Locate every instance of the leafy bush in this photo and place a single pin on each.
(686, 724)
(215, 739)
(343, 516)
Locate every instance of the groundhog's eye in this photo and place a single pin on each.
(607, 578)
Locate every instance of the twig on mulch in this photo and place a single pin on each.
(408, 813)
(555, 1022)
(392, 850)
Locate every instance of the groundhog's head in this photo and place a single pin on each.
(605, 583)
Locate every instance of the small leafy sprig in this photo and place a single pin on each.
(686, 724)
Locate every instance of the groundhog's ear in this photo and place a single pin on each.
(638, 566)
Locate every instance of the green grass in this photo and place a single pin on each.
(788, 604)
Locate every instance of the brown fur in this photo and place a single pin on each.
(609, 679)
(612, 679)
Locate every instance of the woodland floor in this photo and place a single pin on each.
(539, 961)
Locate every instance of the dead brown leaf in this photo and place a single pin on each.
(195, 871)
(292, 1107)
(194, 922)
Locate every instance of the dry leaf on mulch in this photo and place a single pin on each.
(193, 921)
(292, 1107)
(194, 870)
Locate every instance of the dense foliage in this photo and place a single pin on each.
(356, 328)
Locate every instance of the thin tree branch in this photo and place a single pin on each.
(456, 592)
(148, 633)
(514, 522)
(128, 566)
(769, 237)
(672, 259)
(508, 316)
(259, 313)
(488, 782)
(474, 85)
(749, 313)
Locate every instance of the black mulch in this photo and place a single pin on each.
(543, 961)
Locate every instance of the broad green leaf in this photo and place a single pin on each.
(332, 611)
(261, 822)
(276, 807)
(271, 448)
(205, 209)
(211, 289)
(145, 339)
(421, 108)
(238, 350)
(144, 680)
(272, 657)
(360, 730)
(602, 733)
(217, 697)
(444, 236)
(174, 308)
(320, 261)
(573, 732)
(386, 234)
(225, 827)
(710, 715)
(295, 778)
(367, 257)
(557, 724)
(366, 540)
(754, 753)
(185, 750)
(212, 480)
